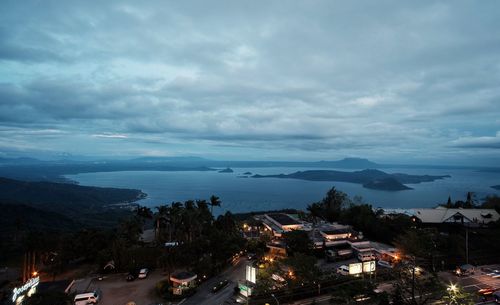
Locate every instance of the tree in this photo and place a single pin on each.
(161, 219)
(297, 241)
(414, 288)
(333, 203)
(304, 267)
(131, 229)
(469, 203)
(455, 295)
(449, 203)
(492, 202)
(316, 211)
(330, 206)
(214, 202)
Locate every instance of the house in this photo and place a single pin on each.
(182, 281)
(442, 215)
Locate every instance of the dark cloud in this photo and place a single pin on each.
(314, 79)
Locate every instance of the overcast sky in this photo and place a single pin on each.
(405, 81)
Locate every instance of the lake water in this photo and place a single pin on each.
(251, 194)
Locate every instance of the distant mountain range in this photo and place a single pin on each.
(36, 170)
(369, 178)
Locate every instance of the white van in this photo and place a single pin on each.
(87, 298)
(344, 270)
(368, 256)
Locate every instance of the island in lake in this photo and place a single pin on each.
(226, 170)
(496, 187)
(369, 178)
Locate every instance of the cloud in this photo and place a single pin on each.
(306, 79)
(478, 142)
(110, 136)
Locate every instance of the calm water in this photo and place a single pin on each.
(250, 194)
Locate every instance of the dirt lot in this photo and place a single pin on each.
(117, 291)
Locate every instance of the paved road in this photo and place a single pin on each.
(473, 283)
(204, 295)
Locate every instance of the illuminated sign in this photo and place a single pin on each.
(245, 290)
(251, 274)
(369, 266)
(355, 268)
(30, 284)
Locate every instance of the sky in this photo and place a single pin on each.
(393, 81)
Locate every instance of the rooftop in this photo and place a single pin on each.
(441, 214)
(337, 231)
(283, 219)
(183, 276)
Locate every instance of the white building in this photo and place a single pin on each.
(473, 217)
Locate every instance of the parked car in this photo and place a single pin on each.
(131, 276)
(486, 291)
(220, 285)
(384, 264)
(87, 298)
(363, 257)
(344, 270)
(334, 255)
(465, 270)
(143, 273)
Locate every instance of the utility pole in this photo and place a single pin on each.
(413, 282)
(466, 244)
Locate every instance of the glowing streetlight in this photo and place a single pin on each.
(453, 288)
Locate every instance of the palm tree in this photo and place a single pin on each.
(160, 217)
(315, 210)
(214, 201)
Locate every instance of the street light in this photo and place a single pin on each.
(277, 302)
(453, 288)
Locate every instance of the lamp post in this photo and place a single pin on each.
(452, 292)
(277, 302)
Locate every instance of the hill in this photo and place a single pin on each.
(369, 178)
(24, 217)
(386, 184)
(46, 193)
(59, 206)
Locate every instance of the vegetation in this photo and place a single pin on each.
(338, 207)
(200, 242)
(492, 202)
(48, 193)
(369, 178)
(297, 242)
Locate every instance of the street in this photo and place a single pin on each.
(205, 296)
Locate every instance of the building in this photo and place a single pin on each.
(322, 234)
(279, 223)
(442, 215)
(182, 281)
